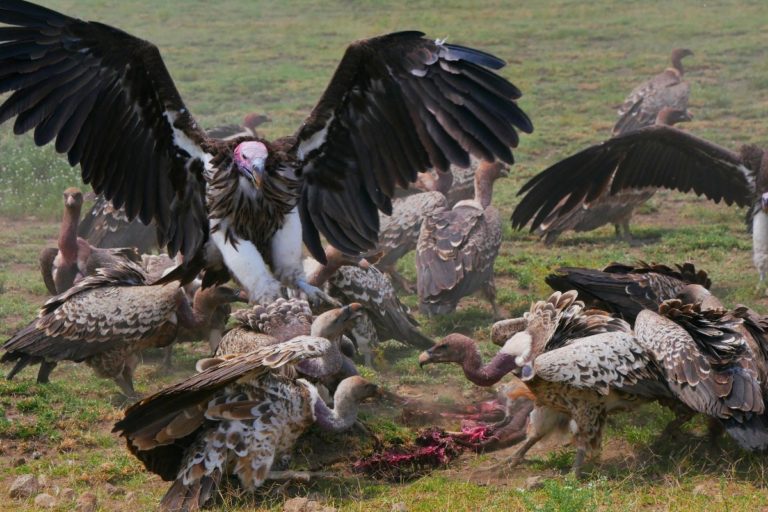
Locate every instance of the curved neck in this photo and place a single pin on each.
(338, 419)
(68, 234)
(483, 191)
(677, 63)
(491, 373)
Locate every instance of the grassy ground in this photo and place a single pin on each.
(574, 60)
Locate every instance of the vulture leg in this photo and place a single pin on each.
(682, 416)
(315, 295)
(543, 420)
(248, 267)
(167, 356)
(46, 367)
(489, 292)
(589, 422)
(126, 385)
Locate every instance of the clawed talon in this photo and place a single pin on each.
(315, 295)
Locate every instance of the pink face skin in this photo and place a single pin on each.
(251, 159)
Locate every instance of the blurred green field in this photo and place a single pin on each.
(574, 62)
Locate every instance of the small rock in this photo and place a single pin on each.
(399, 507)
(45, 500)
(534, 482)
(113, 490)
(68, 494)
(24, 486)
(36, 455)
(295, 505)
(86, 502)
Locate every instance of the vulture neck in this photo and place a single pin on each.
(68, 234)
(199, 315)
(491, 373)
(677, 64)
(341, 417)
(483, 190)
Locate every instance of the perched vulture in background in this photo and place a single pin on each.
(457, 248)
(396, 105)
(106, 320)
(234, 131)
(601, 206)
(75, 258)
(235, 418)
(665, 90)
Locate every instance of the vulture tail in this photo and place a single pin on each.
(190, 497)
(752, 434)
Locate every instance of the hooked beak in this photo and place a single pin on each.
(257, 170)
(240, 296)
(764, 202)
(351, 311)
(70, 201)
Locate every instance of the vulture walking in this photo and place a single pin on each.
(586, 364)
(457, 248)
(396, 105)
(602, 164)
(75, 258)
(235, 418)
(665, 90)
(383, 316)
(106, 320)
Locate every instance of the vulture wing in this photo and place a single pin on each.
(656, 156)
(145, 423)
(108, 100)
(397, 105)
(601, 362)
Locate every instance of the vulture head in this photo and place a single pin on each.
(355, 389)
(251, 160)
(678, 54)
(254, 120)
(73, 198)
(670, 116)
(454, 348)
(333, 323)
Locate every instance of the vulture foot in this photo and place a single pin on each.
(315, 295)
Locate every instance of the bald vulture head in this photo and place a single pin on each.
(454, 348)
(697, 294)
(73, 198)
(251, 160)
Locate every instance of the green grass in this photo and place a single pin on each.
(573, 60)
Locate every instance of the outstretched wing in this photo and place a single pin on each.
(397, 105)
(149, 417)
(656, 156)
(108, 100)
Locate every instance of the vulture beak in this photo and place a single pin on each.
(351, 311)
(240, 296)
(764, 202)
(425, 358)
(70, 201)
(251, 160)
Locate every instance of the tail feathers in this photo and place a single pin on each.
(22, 361)
(404, 328)
(190, 497)
(752, 434)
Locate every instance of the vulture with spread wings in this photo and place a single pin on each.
(396, 105)
(657, 156)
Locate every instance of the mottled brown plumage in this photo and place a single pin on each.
(627, 289)
(458, 247)
(104, 226)
(667, 89)
(106, 320)
(235, 418)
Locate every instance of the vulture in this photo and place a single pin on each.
(665, 90)
(75, 258)
(106, 320)
(383, 316)
(457, 248)
(234, 131)
(235, 418)
(396, 105)
(585, 363)
(600, 165)
(105, 226)
(285, 319)
(626, 289)
(399, 232)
